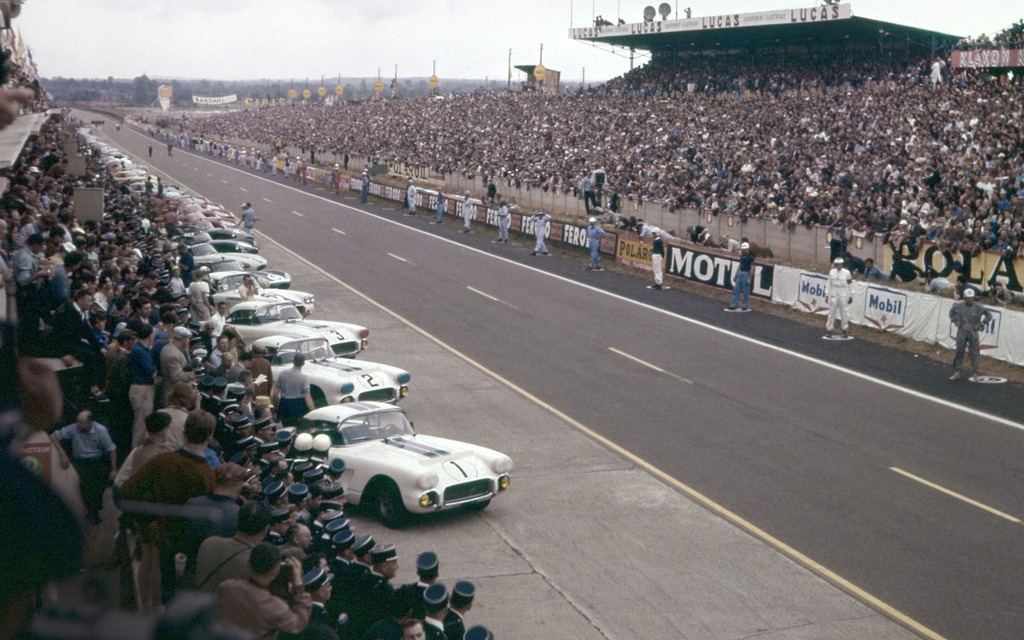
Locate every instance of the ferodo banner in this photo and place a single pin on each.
(221, 100)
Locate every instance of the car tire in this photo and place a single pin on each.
(387, 504)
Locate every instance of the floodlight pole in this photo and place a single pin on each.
(509, 86)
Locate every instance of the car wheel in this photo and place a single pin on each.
(319, 399)
(387, 502)
(478, 506)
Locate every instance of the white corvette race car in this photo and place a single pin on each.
(334, 379)
(396, 471)
(255, 319)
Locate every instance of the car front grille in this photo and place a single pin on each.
(467, 491)
(378, 395)
(346, 348)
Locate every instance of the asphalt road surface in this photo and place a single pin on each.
(624, 408)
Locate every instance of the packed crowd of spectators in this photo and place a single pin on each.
(1010, 38)
(860, 141)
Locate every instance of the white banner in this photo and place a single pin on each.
(913, 314)
(221, 100)
(807, 15)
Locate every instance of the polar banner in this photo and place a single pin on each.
(715, 269)
(220, 100)
(914, 314)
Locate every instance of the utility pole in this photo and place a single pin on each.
(509, 86)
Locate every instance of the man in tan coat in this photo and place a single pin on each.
(249, 605)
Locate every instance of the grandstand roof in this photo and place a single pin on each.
(826, 24)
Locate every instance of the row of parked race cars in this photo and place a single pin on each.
(388, 465)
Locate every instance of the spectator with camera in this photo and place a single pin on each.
(249, 605)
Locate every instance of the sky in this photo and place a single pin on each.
(465, 39)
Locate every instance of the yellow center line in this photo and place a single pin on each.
(954, 494)
(338, 231)
(398, 257)
(649, 365)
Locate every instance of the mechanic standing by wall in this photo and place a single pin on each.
(503, 219)
(968, 317)
(540, 228)
(837, 291)
(594, 235)
(658, 257)
(743, 282)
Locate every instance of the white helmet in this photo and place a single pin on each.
(303, 442)
(321, 443)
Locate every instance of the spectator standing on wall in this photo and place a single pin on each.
(968, 317)
(837, 291)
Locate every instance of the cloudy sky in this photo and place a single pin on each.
(256, 39)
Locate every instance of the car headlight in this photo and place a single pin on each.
(502, 465)
(347, 399)
(310, 299)
(363, 344)
(404, 377)
(426, 481)
(348, 387)
(403, 391)
(428, 499)
(504, 482)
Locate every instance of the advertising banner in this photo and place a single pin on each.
(715, 270)
(219, 100)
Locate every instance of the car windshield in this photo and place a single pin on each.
(312, 348)
(203, 250)
(375, 426)
(288, 312)
(201, 238)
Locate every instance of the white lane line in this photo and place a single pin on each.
(954, 494)
(398, 257)
(244, 189)
(223, 180)
(298, 214)
(649, 365)
(338, 231)
(490, 297)
(863, 377)
(479, 292)
(209, 175)
(267, 200)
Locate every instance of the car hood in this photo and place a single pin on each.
(453, 461)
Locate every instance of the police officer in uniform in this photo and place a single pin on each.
(435, 602)
(427, 570)
(968, 317)
(460, 604)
